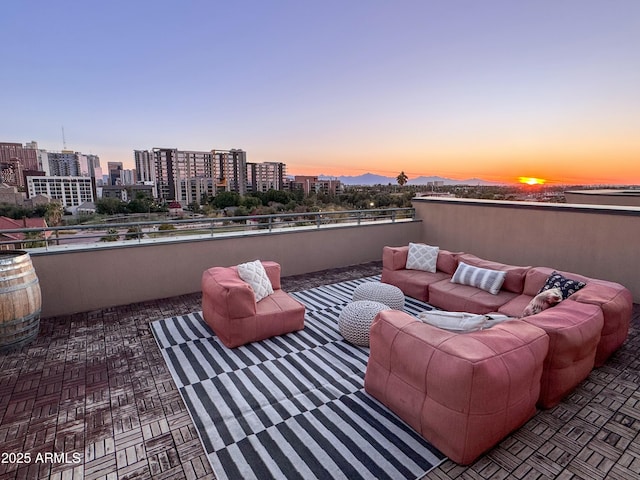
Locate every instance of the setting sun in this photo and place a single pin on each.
(532, 180)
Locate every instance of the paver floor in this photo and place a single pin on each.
(92, 398)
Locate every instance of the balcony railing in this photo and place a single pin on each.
(148, 231)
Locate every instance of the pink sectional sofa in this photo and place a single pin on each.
(438, 393)
(520, 286)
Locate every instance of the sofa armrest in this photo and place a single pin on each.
(228, 293)
(273, 270)
(395, 258)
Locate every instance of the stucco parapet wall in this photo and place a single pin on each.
(597, 241)
(566, 207)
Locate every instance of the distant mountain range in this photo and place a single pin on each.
(373, 179)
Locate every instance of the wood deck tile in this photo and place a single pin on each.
(96, 384)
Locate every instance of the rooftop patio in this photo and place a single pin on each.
(94, 386)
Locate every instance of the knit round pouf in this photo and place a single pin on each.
(390, 295)
(355, 320)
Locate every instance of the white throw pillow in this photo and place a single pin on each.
(461, 321)
(255, 275)
(422, 257)
(484, 278)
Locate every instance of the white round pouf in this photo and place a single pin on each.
(356, 318)
(390, 295)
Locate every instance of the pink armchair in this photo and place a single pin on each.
(229, 307)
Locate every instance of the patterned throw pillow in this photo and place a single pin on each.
(422, 257)
(566, 285)
(256, 276)
(542, 301)
(489, 280)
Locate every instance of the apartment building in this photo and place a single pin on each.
(312, 184)
(262, 177)
(189, 176)
(232, 170)
(70, 191)
(14, 160)
(181, 175)
(145, 169)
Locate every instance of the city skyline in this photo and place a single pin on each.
(494, 90)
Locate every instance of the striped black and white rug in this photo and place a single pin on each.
(292, 406)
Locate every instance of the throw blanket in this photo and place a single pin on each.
(461, 321)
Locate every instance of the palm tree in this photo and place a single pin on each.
(53, 216)
(402, 179)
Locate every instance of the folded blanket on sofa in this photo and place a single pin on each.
(461, 321)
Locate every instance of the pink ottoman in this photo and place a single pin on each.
(462, 392)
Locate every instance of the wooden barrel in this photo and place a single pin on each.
(20, 300)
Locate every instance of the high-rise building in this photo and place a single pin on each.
(183, 176)
(232, 170)
(127, 177)
(64, 164)
(145, 171)
(114, 169)
(189, 176)
(262, 177)
(14, 159)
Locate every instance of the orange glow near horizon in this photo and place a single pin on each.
(551, 166)
(532, 180)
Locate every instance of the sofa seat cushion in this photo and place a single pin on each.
(515, 306)
(462, 392)
(574, 332)
(514, 280)
(413, 283)
(277, 314)
(463, 298)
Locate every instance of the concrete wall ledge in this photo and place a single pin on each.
(85, 279)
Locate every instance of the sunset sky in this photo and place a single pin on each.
(495, 89)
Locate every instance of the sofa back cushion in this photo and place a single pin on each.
(447, 261)
(395, 258)
(514, 279)
(537, 276)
